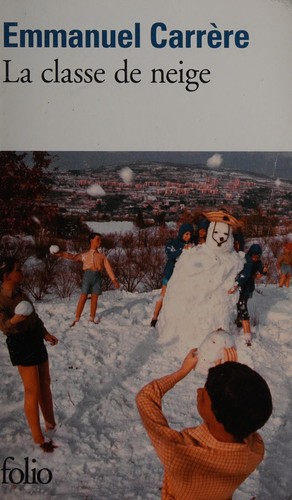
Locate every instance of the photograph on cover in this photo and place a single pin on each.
(126, 261)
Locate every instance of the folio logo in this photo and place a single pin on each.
(26, 475)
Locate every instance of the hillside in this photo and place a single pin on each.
(103, 451)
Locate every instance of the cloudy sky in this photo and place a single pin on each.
(270, 163)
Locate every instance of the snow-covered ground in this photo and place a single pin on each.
(103, 451)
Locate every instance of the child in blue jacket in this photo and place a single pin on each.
(253, 268)
(173, 249)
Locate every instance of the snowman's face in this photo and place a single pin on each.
(220, 237)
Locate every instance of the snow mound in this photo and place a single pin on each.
(96, 370)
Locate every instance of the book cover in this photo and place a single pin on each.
(161, 106)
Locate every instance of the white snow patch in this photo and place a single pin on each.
(103, 450)
(110, 227)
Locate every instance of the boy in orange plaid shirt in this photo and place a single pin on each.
(210, 461)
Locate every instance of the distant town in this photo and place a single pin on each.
(160, 192)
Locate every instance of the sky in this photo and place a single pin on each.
(270, 164)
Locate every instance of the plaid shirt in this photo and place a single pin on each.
(196, 465)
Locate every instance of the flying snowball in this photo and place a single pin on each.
(126, 175)
(211, 350)
(54, 249)
(95, 190)
(36, 220)
(215, 161)
(24, 308)
(278, 182)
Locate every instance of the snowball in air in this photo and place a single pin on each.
(126, 175)
(24, 308)
(215, 161)
(278, 182)
(36, 220)
(95, 190)
(54, 249)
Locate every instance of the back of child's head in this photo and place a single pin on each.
(241, 399)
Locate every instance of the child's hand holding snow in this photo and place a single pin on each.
(22, 311)
(190, 361)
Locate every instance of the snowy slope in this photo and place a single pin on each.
(103, 451)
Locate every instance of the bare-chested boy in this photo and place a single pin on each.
(93, 262)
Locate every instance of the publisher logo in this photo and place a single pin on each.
(28, 474)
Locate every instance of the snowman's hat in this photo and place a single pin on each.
(222, 216)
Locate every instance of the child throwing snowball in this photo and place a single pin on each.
(211, 460)
(94, 262)
(25, 335)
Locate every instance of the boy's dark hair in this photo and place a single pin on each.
(240, 397)
(7, 265)
(92, 235)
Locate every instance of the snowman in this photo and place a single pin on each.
(197, 300)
